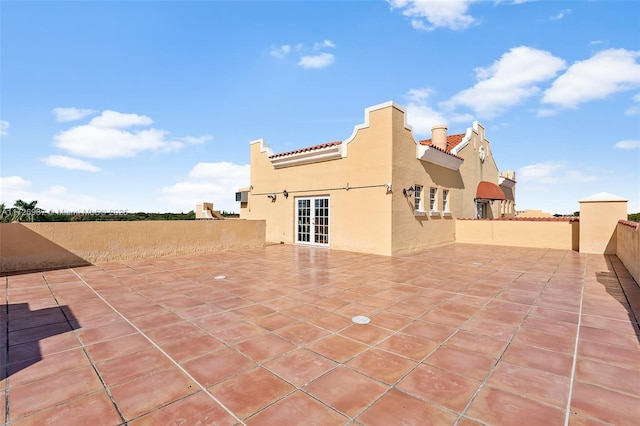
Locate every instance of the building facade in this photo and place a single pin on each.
(379, 191)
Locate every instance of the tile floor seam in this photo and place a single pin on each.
(335, 367)
(126, 422)
(395, 384)
(6, 353)
(564, 286)
(230, 310)
(84, 349)
(305, 346)
(574, 362)
(184, 371)
(241, 319)
(413, 321)
(288, 394)
(463, 413)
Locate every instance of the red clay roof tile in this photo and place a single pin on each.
(310, 148)
(452, 141)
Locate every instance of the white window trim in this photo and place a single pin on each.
(446, 202)
(418, 206)
(433, 202)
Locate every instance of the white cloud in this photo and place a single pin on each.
(210, 182)
(118, 120)
(4, 128)
(96, 142)
(69, 163)
(508, 81)
(422, 117)
(628, 144)
(281, 51)
(59, 198)
(432, 14)
(55, 197)
(560, 14)
(547, 112)
(326, 43)
(71, 114)
(105, 137)
(605, 73)
(317, 61)
(635, 109)
(540, 175)
(12, 184)
(310, 57)
(192, 140)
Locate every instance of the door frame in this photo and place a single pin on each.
(313, 227)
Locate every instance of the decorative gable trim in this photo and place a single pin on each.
(466, 138)
(324, 152)
(263, 146)
(365, 124)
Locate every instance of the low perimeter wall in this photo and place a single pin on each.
(554, 233)
(628, 248)
(27, 246)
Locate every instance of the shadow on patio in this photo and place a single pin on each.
(24, 329)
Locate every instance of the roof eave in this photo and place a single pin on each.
(433, 155)
(333, 152)
(506, 182)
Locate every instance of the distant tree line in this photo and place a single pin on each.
(633, 217)
(23, 211)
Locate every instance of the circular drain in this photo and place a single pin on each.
(219, 277)
(360, 319)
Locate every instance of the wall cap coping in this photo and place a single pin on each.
(526, 219)
(602, 197)
(629, 223)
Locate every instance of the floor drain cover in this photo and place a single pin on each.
(219, 277)
(359, 319)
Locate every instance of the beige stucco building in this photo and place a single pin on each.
(379, 191)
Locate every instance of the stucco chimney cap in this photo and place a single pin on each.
(439, 126)
(602, 196)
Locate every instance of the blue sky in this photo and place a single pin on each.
(151, 105)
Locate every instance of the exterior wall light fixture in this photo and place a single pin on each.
(408, 192)
(272, 197)
(285, 193)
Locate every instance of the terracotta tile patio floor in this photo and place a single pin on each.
(459, 334)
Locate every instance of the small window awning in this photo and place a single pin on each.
(489, 191)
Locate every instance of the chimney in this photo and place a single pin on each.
(439, 136)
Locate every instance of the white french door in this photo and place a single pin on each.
(312, 220)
